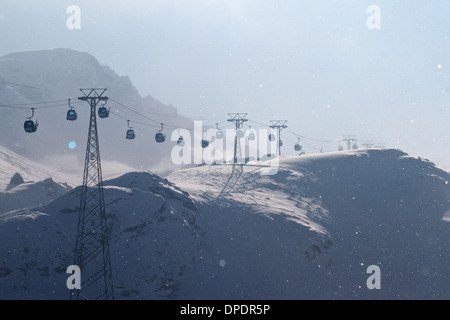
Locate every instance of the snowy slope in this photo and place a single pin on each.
(308, 232)
(11, 162)
(155, 240)
(322, 220)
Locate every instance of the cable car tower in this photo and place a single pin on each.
(92, 245)
(238, 119)
(350, 139)
(279, 125)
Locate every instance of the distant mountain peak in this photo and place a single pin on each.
(40, 76)
(16, 180)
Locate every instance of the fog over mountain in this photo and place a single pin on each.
(59, 74)
(379, 71)
(355, 203)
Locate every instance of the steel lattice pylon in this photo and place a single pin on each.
(238, 119)
(92, 243)
(278, 125)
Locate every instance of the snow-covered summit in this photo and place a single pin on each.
(308, 232)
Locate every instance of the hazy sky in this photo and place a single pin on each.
(314, 63)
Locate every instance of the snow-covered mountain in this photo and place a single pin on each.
(155, 241)
(31, 194)
(55, 75)
(311, 230)
(308, 232)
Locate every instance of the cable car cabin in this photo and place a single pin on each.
(239, 133)
(103, 112)
(180, 141)
(30, 126)
(159, 137)
(251, 136)
(219, 134)
(130, 134)
(205, 143)
(281, 143)
(341, 148)
(71, 115)
(297, 147)
(272, 137)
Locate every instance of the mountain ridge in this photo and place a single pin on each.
(308, 232)
(27, 79)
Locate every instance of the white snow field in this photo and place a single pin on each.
(308, 232)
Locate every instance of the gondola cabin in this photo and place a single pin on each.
(205, 143)
(297, 147)
(219, 134)
(30, 126)
(130, 134)
(251, 136)
(180, 141)
(71, 115)
(281, 143)
(103, 112)
(159, 137)
(272, 137)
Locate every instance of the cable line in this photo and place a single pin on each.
(30, 103)
(19, 85)
(154, 123)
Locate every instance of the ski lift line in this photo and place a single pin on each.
(52, 106)
(313, 139)
(133, 121)
(32, 103)
(310, 145)
(19, 85)
(23, 107)
(286, 138)
(138, 113)
(74, 101)
(14, 107)
(262, 124)
(297, 135)
(158, 122)
(186, 117)
(303, 142)
(146, 124)
(27, 108)
(146, 117)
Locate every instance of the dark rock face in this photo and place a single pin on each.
(15, 181)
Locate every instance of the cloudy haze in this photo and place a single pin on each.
(313, 63)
